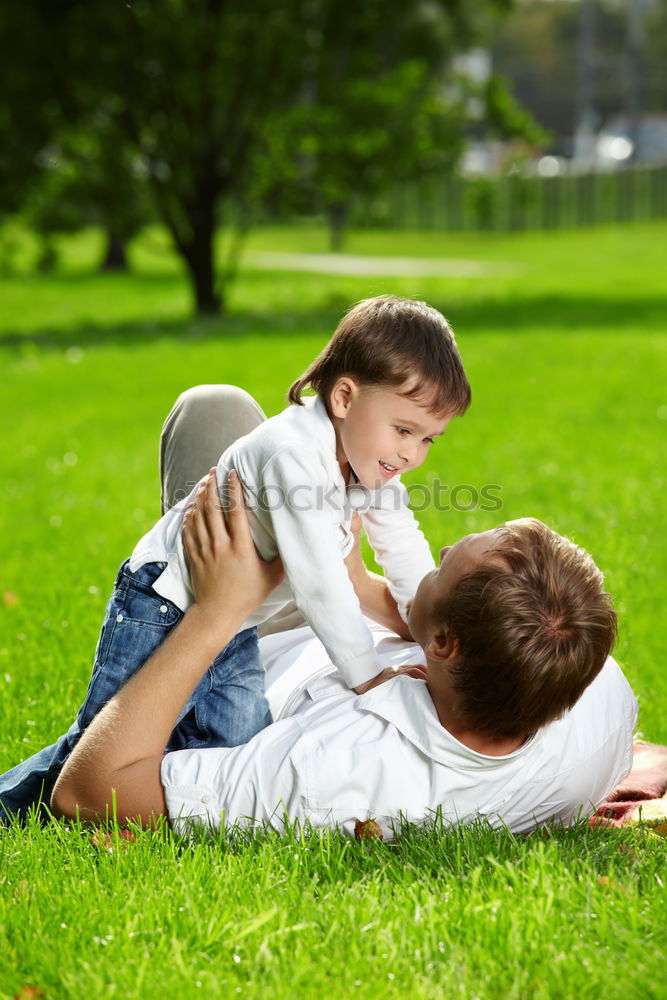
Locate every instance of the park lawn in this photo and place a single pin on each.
(567, 355)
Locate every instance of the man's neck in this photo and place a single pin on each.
(479, 742)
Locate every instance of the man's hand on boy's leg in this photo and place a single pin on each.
(227, 573)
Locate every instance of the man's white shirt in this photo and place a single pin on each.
(333, 757)
(300, 507)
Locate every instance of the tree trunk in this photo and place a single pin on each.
(48, 256)
(337, 223)
(115, 257)
(201, 267)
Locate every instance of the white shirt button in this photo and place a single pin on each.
(164, 609)
(119, 618)
(205, 799)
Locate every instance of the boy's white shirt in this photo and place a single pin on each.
(300, 507)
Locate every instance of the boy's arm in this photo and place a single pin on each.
(120, 754)
(304, 525)
(399, 544)
(372, 590)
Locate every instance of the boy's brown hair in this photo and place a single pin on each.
(389, 341)
(533, 633)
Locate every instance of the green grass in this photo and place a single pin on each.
(567, 354)
(470, 914)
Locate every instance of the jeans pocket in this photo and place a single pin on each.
(141, 604)
(144, 610)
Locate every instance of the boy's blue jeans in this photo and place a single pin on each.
(226, 708)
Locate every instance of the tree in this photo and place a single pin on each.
(90, 178)
(195, 84)
(29, 113)
(382, 102)
(207, 96)
(380, 131)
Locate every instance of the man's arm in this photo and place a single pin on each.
(121, 751)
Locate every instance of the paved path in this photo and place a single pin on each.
(358, 266)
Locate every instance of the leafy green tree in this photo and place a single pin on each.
(220, 101)
(195, 86)
(90, 178)
(383, 103)
(30, 115)
(380, 131)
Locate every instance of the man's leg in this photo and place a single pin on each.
(228, 706)
(31, 781)
(203, 422)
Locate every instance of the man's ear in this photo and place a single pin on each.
(342, 394)
(442, 647)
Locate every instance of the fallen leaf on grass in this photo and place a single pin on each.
(9, 599)
(367, 829)
(609, 883)
(107, 841)
(29, 993)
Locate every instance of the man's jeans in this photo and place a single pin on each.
(226, 708)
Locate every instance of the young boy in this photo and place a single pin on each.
(387, 384)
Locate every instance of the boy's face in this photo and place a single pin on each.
(380, 433)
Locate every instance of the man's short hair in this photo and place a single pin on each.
(534, 627)
(388, 341)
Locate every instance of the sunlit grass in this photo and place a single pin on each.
(567, 356)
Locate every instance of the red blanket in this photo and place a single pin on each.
(642, 796)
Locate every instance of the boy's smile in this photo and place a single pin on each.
(379, 432)
(387, 470)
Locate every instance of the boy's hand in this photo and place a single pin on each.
(417, 670)
(226, 571)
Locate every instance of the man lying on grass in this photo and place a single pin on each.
(518, 714)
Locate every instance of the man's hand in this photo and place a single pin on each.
(407, 670)
(227, 573)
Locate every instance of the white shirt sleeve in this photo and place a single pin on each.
(305, 527)
(398, 543)
(255, 783)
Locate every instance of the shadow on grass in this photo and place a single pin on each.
(502, 315)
